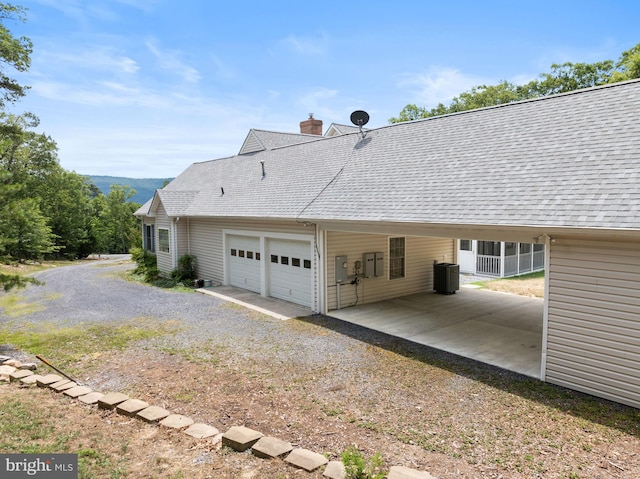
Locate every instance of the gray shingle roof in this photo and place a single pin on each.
(570, 160)
(258, 140)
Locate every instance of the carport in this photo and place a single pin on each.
(500, 329)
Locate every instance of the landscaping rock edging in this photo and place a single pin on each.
(238, 438)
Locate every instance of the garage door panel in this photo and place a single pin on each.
(244, 262)
(290, 271)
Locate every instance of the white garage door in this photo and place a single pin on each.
(244, 262)
(289, 271)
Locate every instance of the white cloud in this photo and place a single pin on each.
(307, 46)
(437, 85)
(82, 10)
(170, 60)
(319, 101)
(97, 58)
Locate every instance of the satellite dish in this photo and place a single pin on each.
(359, 118)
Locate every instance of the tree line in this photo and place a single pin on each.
(561, 78)
(45, 210)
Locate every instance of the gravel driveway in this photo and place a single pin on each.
(94, 292)
(325, 384)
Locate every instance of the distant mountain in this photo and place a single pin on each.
(145, 187)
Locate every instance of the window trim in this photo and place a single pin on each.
(164, 245)
(397, 271)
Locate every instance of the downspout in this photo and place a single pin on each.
(545, 308)
(321, 272)
(174, 233)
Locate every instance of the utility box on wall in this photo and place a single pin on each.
(369, 261)
(341, 270)
(379, 260)
(373, 264)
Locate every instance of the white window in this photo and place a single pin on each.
(396, 258)
(163, 240)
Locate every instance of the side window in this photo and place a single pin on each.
(396, 258)
(163, 240)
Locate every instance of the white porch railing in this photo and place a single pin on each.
(524, 263)
(489, 265)
(538, 260)
(513, 265)
(510, 265)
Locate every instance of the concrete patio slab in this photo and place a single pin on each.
(240, 438)
(153, 414)
(32, 379)
(273, 307)
(91, 398)
(20, 373)
(47, 379)
(62, 385)
(335, 470)
(500, 329)
(177, 421)
(201, 431)
(305, 459)
(402, 472)
(77, 391)
(270, 447)
(131, 407)
(111, 400)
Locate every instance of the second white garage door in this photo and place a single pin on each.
(289, 270)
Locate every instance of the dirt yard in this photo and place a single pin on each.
(416, 406)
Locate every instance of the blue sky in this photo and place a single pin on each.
(144, 88)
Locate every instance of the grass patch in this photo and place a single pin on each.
(14, 305)
(72, 343)
(531, 284)
(26, 428)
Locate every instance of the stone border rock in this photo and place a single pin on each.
(238, 438)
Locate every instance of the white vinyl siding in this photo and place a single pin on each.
(251, 144)
(593, 338)
(206, 246)
(420, 253)
(165, 260)
(182, 237)
(163, 240)
(207, 238)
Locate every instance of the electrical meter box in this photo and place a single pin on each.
(379, 264)
(341, 269)
(369, 261)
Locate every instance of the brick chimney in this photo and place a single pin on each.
(311, 126)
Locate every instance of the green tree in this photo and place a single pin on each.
(29, 235)
(28, 156)
(115, 228)
(562, 78)
(627, 66)
(569, 77)
(27, 159)
(66, 202)
(14, 53)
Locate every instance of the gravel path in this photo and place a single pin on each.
(94, 292)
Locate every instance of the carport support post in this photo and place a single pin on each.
(545, 308)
